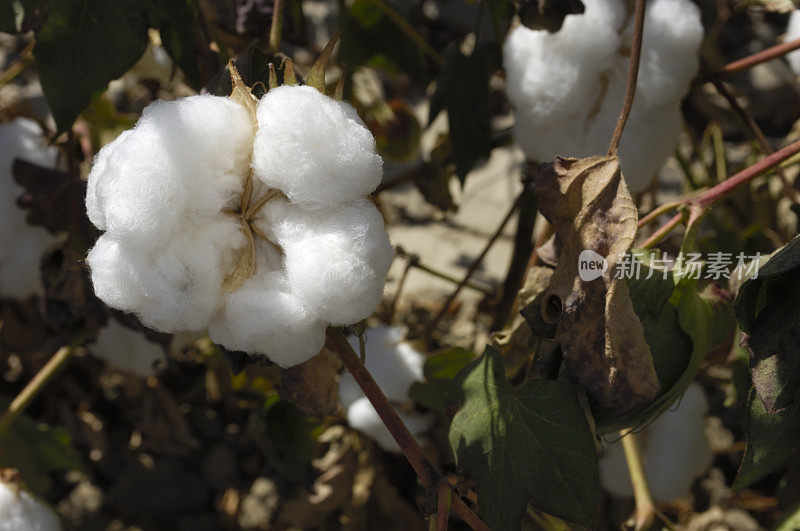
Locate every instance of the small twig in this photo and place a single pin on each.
(36, 384)
(662, 233)
(474, 267)
(414, 261)
(645, 506)
(400, 285)
(758, 135)
(18, 64)
(443, 506)
(757, 58)
(275, 27)
(633, 74)
(720, 163)
(430, 477)
(409, 30)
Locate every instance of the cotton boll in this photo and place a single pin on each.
(674, 448)
(313, 148)
(127, 350)
(567, 87)
(19, 266)
(19, 511)
(185, 156)
(263, 317)
(174, 287)
(363, 417)
(394, 365)
(793, 33)
(336, 260)
(21, 245)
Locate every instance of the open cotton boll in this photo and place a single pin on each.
(395, 366)
(126, 349)
(336, 260)
(186, 156)
(21, 245)
(675, 451)
(363, 417)
(793, 33)
(567, 87)
(174, 287)
(19, 511)
(263, 317)
(313, 148)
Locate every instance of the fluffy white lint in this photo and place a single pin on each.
(675, 451)
(21, 245)
(395, 366)
(19, 511)
(793, 33)
(255, 226)
(567, 87)
(126, 349)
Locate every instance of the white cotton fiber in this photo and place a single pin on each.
(19, 511)
(793, 33)
(21, 245)
(336, 261)
(395, 366)
(316, 150)
(675, 451)
(176, 250)
(263, 314)
(567, 87)
(126, 349)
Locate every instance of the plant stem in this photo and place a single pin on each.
(645, 506)
(443, 506)
(662, 233)
(713, 195)
(474, 267)
(413, 261)
(430, 477)
(409, 30)
(756, 58)
(18, 64)
(633, 74)
(400, 285)
(758, 135)
(275, 27)
(523, 248)
(36, 384)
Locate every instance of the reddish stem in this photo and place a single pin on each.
(633, 74)
(430, 477)
(757, 58)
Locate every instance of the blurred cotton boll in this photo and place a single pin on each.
(127, 350)
(675, 451)
(793, 33)
(19, 511)
(567, 87)
(21, 245)
(395, 366)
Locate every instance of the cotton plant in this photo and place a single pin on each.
(675, 451)
(21, 244)
(567, 87)
(250, 218)
(127, 350)
(19, 511)
(395, 365)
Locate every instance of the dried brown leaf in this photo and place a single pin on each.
(601, 337)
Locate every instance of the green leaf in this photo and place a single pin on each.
(440, 369)
(771, 440)
(462, 89)
(768, 309)
(527, 443)
(177, 23)
(681, 326)
(36, 450)
(82, 46)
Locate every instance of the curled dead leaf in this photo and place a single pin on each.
(601, 337)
